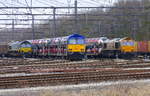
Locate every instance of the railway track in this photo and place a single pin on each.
(65, 63)
(45, 72)
(14, 62)
(32, 80)
(40, 66)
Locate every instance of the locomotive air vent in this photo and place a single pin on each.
(105, 45)
(117, 45)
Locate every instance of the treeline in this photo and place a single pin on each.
(127, 18)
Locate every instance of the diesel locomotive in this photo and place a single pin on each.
(104, 47)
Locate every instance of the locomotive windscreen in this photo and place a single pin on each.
(25, 45)
(76, 41)
(129, 43)
(72, 41)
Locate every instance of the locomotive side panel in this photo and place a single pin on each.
(14, 48)
(94, 46)
(135, 47)
(111, 48)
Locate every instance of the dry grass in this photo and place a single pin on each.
(114, 90)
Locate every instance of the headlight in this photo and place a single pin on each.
(82, 50)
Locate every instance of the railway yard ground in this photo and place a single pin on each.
(118, 88)
(44, 77)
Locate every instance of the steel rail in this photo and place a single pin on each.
(130, 7)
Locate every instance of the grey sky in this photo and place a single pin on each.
(45, 3)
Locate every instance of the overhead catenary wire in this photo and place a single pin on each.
(69, 4)
(107, 2)
(50, 3)
(6, 6)
(90, 3)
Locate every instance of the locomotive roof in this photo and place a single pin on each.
(65, 38)
(126, 38)
(116, 39)
(76, 35)
(54, 40)
(37, 41)
(14, 43)
(94, 40)
(25, 42)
